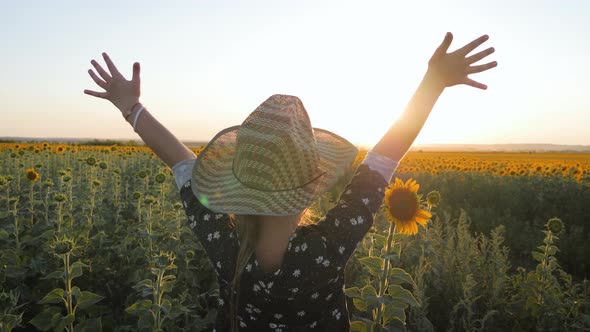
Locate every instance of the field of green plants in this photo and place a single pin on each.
(94, 238)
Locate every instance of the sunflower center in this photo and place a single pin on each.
(403, 204)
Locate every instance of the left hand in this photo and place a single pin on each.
(448, 69)
(121, 92)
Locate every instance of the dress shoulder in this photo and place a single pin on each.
(346, 224)
(214, 230)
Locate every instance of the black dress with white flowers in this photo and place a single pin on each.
(307, 292)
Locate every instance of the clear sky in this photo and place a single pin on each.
(207, 64)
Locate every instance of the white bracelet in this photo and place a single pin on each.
(141, 108)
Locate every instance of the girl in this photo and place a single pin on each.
(277, 271)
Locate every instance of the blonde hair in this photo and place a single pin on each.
(248, 229)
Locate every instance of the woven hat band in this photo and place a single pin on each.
(253, 186)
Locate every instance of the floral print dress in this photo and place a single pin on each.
(306, 293)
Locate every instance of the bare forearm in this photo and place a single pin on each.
(400, 136)
(444, 70)
(124, 94)
(164, 144)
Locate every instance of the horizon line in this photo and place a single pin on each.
(360, 144)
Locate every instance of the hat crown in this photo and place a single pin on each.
(275, 146)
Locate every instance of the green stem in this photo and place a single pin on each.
(59, 216)
(163, 197)
(8, 197)
(32, 202)
(17, 177)
(149, 227)
(158, 296)
(47, 206)
(70, 196)
(91, 176)
(92, 195)
(117, 193)
(178, 225)
(16, 228)
(383, 282)
(68, 284)
(544, 262)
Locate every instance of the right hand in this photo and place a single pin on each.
(119, 91)
(448, 69)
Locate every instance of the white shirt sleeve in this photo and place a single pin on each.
(385, 166)
(183, 171)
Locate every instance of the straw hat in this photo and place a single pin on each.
(273, 164)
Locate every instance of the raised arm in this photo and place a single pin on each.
(444, 70)
(124, 95)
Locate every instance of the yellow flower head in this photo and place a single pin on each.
(198, 150)
(32, 175)
(403, 206)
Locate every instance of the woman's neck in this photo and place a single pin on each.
(277, 227)
(273, 239)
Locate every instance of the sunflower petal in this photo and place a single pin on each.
(414, 186)
(423, 214)
(421, 221)
(413, 229)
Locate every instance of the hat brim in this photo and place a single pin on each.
(216, 187)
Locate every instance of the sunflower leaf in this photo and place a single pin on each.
(380, 240)
(353, 292)
(54, 296)
(400, 276)
(397, 292)
(375, 265)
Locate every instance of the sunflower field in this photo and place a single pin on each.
(94, 238)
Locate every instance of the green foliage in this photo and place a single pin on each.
(523, 205)
(464, 283)
(10, 317)
(97, 224)
(154, 311)
(547, 298)
(125, 258)
(381, 308)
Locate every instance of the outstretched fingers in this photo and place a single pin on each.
(112, 68)
(474, 84)
(478, 56)
(480, 68)
(472, 45)
(103, 73)
(104, 95)
(97, 80)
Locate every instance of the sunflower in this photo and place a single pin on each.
(433, 198)
(555, 225)
(403, 206)
(32, 175)
(63, 245)
(60, 149)
(161, 177)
